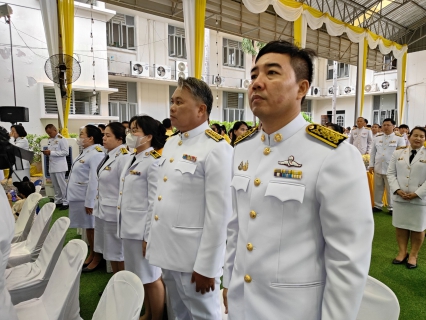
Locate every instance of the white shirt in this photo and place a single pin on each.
(59, 150)
(362, 139)
(382, 150)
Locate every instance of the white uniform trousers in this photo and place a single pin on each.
(380, 184)
(60, 187)
(188, 304)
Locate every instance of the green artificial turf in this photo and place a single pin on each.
(408, 285)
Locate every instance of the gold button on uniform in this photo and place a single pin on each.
(278, 137)
(186, 134)
(122, 179)
(262, 137)
(180, 142)
(156, 218)
(147, 153)
(165, 178)
(97, 197)
(171, 160)
(159, 198)
(118, 207)
(121, 193)
(257, 182)
(253, 214)
(247, 278)
(249, 247)
(266, 151)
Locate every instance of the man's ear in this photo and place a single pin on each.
(202, 110)
(303, 88)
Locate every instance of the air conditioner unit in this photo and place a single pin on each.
(309, 93)
(349, 90)
(162, 72)
(316, 91)
(181, 70)
(139, 69)
(218, 80)
(388, 85)
(330, 91)
(245, 83)
(370, 87)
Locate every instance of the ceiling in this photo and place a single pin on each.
(401, 21)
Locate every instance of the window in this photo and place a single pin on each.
(389, 62)
(82, 102)
(233, 55)
(340, 120)
(342, 70)
(340, 117)
(123, 110)
(233, 106)
(121, 32)
(307, 108)
(123, 104)
(177, 46)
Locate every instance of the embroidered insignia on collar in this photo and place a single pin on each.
(124, 151)
(81, 161)
(189, 157)
(401, 148)
(214, 135)
(379, 134)
(290, 162)
(367, 128)
(99, 149)
(155, 154)
(247, 134)
(243, 166)
(59, 136)
(422, 161)
(326, 135)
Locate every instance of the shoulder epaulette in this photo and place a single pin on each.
(398, 134)
(155, 154)
(214, 135)
(99, 149)
(59, 136)
(379, 134)
(367, 128)
(330, 137)
(247, 134)
(124, 151)
(401, 148)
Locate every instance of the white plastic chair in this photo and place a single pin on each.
(60, 299)
(378, 302)
(122, 298)
(28, 250)
(24, 215)
(29, 280)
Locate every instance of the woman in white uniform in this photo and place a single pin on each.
(109, 171)
(18, 138)
(83, 182)
(407, 176)
(138, 186)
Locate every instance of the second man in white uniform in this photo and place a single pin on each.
(361, 137)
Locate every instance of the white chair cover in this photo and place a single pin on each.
(38, 189)
(28, 250)
(378, 302)
(60, 299)
(122, 298)
(24, 215)
(29, 280)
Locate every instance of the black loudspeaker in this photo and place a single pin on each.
(14, 114)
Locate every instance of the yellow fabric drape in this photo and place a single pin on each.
(402, 86)
(298, 31)
(66, 27)
(200, 15)
(364, 71)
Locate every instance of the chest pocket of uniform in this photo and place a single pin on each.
(240, 183)
(364, 134)
(285, 191)
(186, 167)
(392, 144)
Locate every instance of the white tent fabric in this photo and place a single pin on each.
(29, 225)
(28, 281)
(378, 302)
(28, 250)
(122, 298)
(24, 215)
(60, 299)
(189, 22)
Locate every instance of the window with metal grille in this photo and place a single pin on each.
(121, 32)
(233, 55)
(177, 46)
(233, 106)
(82, 102)
(342, 70)
(122, 104)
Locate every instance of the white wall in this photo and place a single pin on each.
(416, 91)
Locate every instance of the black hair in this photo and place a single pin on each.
(118, 130)
(150, 126)
(404, 126)
(167, 123)
(101, 126)
(368, 125)
(95, 132)
(199, 90)
(336, 127)
(301, 60)
(365, 120)
(20, 130)
(236, 126)
(390, 120)
(418, 128)
(217, 126)
(26, 187)
(124, 122)
(224, 128)
(49, 126)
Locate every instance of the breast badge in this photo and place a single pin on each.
(189, 157)
(290, 162)
(291, 174)
(135, 173)
(243, 166)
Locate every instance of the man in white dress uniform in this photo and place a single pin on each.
(57, 150)
(294, 250)
(361, 137)
(384, 144)
(192, 207)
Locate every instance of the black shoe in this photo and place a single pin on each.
(101, 293)
(394, 261)
(87, 270)
(411, 266)
(390, 212)
(58, 205)
(376, 209)
(64, 207)
(51, 200)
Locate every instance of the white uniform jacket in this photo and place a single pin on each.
(193, 204)
(59, 150)
(109, 184)
(297, 249)
(362, 139)
(138, 185)
(382, 150)
(82, 181)
(23, 144)
(408, 177)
